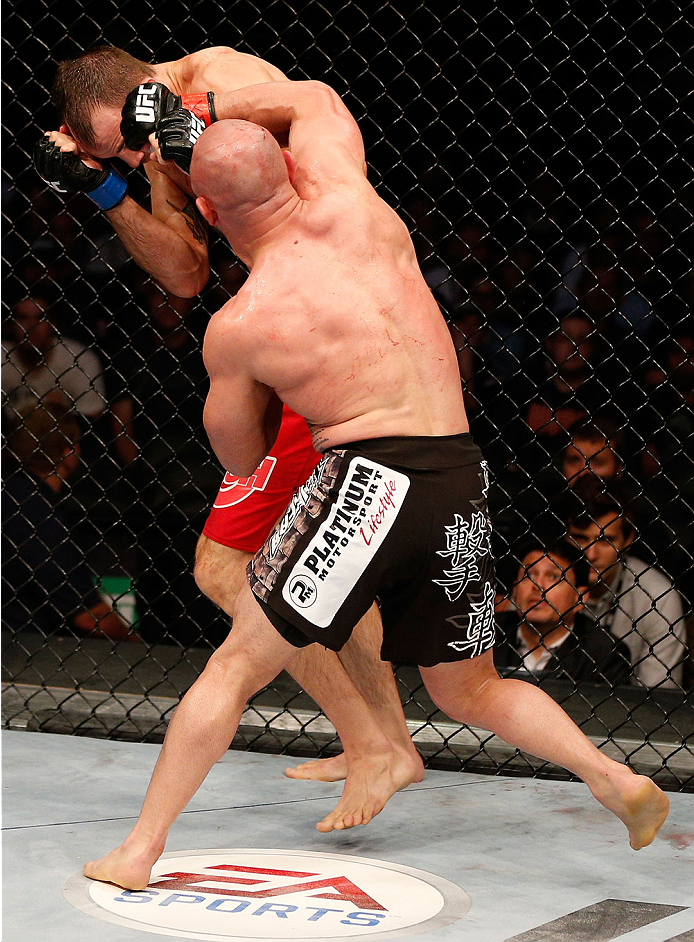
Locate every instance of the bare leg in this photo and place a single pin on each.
(374, 680)
(204, 725)
(220, 572)
(472, 692)
(198, 736)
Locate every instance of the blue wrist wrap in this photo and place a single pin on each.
(110, 192)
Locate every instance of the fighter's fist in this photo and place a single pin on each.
(65, 172)
(143, 109)
(176, 136)
(147, 104)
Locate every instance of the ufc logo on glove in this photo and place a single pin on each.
(144, 108)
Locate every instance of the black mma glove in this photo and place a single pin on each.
(66, 173)
(177, 134)
(147, 104)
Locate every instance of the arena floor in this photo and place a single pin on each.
(539, 860)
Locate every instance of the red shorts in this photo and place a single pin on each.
(246, 509)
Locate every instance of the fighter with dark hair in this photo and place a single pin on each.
(109, 105)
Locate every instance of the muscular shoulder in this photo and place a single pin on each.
(221, 68)
(225, 336)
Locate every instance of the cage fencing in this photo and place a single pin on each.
(541, 158)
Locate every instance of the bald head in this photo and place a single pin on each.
(237, 164)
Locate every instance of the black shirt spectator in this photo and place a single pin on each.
(47, 581)
(544, 632)
(44, 574)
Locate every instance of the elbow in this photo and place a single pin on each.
(189, 284)
(316, 87)
(189, 289)
(235, 464)
(187, 281)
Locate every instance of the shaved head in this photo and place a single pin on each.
(237, 163)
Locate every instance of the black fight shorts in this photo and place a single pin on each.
(403, 520)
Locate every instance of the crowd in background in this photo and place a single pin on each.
(576, 354)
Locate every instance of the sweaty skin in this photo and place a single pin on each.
(335, 318)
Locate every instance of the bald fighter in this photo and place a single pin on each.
(337, 322)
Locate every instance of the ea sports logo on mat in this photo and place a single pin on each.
(275, 894)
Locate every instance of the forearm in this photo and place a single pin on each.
(178, 263)
(240, 443)
(273, 105)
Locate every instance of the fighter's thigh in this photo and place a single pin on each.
(220, 571)
(455, 686)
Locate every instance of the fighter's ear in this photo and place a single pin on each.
(207, 210)
(291, 164)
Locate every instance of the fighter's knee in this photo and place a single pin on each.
(205, 577)
(232, 668)
(463, 690)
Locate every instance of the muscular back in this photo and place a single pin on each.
(337, 318)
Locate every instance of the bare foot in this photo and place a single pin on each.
(638, 803)
(125, 866)
(371, 781)
(333, 769)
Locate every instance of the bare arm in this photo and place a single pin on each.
(170, 243)
(323, 137)
(178, 258)
(241, 416)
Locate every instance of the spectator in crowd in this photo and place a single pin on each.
(49, 585)
(158, 394)
(570, 384)
(544, 632)
(635, 602)
(595, 447)
(570, 389)
(670, 411)
(40, 367)
(667, 423)
(470, 253)
(525, 279)
(646, 256)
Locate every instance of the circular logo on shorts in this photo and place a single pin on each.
(275, 894)
(302, 590)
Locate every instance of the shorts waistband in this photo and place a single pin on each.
(422, 452)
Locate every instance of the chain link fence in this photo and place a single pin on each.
(541, 156)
